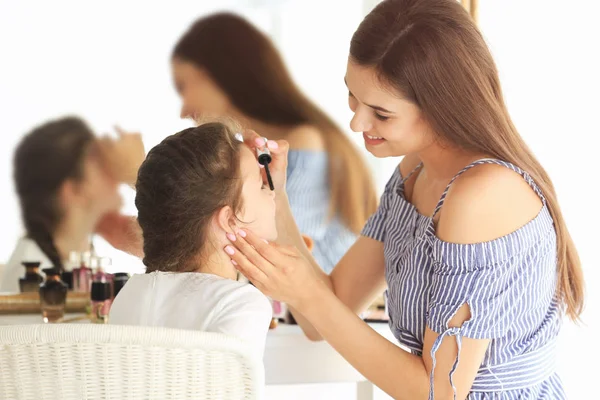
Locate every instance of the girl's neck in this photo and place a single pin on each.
(74, 234)
(218, 263)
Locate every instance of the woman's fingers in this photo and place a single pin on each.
(285, 249)
(249, 252)
(269, 251)
(251, 138)
(249, 270)
(278, 149)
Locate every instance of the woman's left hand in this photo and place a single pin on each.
(280, 272)
(279, 153)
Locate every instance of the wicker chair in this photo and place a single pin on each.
(78, 361)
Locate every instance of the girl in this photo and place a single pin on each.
(66, 181)
(192, 188)
(469, 237)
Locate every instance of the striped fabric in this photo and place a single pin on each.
(509, 284)
(308, 191)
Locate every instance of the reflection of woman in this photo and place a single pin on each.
(469, 236)
(66, 182)
(225, 66)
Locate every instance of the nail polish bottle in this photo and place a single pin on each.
(82, 276)
(53, 296)
(67, 275)
(119, 280)
(32, 279)
(101, 302)
(100, 274)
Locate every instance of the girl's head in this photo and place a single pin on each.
(61, 182)
(224, 66)
(420, 74)
(192, 189)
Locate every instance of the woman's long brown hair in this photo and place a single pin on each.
(248, 68)
(432, 52)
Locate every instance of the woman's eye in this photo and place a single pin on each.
(381, 117)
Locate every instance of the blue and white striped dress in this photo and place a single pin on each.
(509, 284)
(308, 191)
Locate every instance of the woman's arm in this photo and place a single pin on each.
(283, 273)
(497, 196)
(400, 374)
(356, 280)
(122, 232)
(359, 276)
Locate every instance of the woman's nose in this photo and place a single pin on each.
(360, 122)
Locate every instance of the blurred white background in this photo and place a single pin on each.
(109, 63)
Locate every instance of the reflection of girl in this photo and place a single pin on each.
(225, 66)
(191, 190)
(469, 237)
(65, 183)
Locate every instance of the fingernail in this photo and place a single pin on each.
(271, 144)
(242, 233)
(229, 250)
(231, 236)
(234, 263)
(266, 241)
(259, 141)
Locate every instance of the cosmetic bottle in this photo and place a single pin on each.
(53, 296)
(32, 279)
(101, 301)
(82, 275)
(119, 280)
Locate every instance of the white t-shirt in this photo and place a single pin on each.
(197, 301)
(26, 250)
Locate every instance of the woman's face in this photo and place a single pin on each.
(199, 94)
(391, 126)
(96, 191)
(258, 201)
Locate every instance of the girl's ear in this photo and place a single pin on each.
(225, 219)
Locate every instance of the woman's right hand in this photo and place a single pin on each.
(279, 151)
(124, 156)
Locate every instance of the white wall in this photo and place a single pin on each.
(547, 53)
(110, 64)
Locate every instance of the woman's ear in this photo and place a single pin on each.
(225, 219)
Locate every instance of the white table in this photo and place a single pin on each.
(290, 358)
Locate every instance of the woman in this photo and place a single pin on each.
(224, 66)
(66, 181)
(468, 237)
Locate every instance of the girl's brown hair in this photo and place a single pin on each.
(182, 183)
(248, 68)
(432, 52)
(45, 158)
